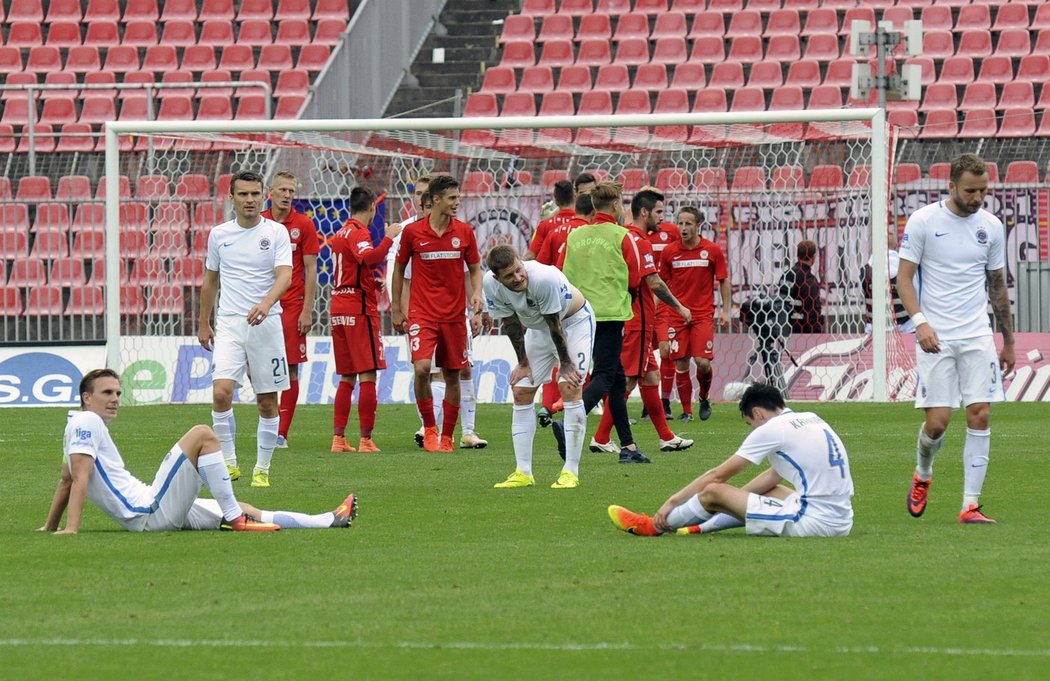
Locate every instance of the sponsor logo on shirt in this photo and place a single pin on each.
(904, 242)
(264, 244)
(693, 262)
(440, 255)
(364, 245)
(341, 320)
(82, 434)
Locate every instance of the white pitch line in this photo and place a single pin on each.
(567, 647)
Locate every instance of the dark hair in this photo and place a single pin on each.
(584, 204)
(760, 395)
(645, 199)
(87, 384)
(361, 199)
(605, 195)
(245, 176)
(583, 178)
(691, 210)
(564, 193)
(441, 184)
(966, 163)
(500, 258)
(807, 250)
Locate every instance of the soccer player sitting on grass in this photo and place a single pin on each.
(92, 468)
(802, 449)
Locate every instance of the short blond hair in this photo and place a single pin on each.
(605, 195)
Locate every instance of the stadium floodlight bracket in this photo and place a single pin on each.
(904, 83)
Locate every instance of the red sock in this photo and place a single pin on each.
(449, 418)
(685, 390)
(667, 371)
(287, 408)
(366, 407)
(704, 379)
(551, 394)
(605, 425)
(653, 405)
(343, 395)
(426, 410)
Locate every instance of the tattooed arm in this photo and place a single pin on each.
(657, 286)
(1000, 301)
(516, 333)
(567, 371)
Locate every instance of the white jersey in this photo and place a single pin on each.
(806, 452)
(245, 260)
(548, 293)
(112, 488)
(953, 254)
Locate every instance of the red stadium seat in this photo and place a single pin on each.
(996, 70)
(957, 71)
(25, 10)
(784, 48)
(1018, 122)
(160, 58)
(331, 9)
(856, 14)
(58, 78)
(552, 177)
(614, 7)
(613, 78)
(1034, 69)
(669, 25)
(83, 59)
(711, 100)
(214, 107)
(5, 193)
(576, 7)
(67, 34)
(90, 244)
(804, 73)
(537, 8)
(123, 58)
(633, 102)
(727, 75)
(656, 7)
(745, 49)
(17, 79)
(293, 9)
(275, 57)
(176, 108)
(786, 177)
(938, 44)
(672, 179)
(216, 33)
(171, 242)
(76, 137)
(255, 32)
(907, 173)
(823, 21)
(518, 54)
(43, 59)
(783, 22)
(132, 300)
(258, 10)
(708, 50)
(63, 10)
(766, 74)
(897, 16)
(555, 53)
(978, 96)
(216, 76)
(237, 58)
(710, 179)
(1022, 172)
(179, 10)
(86, 300)
(670, 51)
(16, 112)
(689, 76)
(314, 57)
(102, 10)
(215, 9)
(574, 79)
(652, 77)
(823, 47)
(187, 271)
(556, 27)
(672, 100)
(825, 177)
(632, 51)
(744, 23)
(198, 58)
(632, 25)
(726, 6)
(166, 299)
(192, 187)
(519, 104)
(28, 272)
(135, 108)
(149, 271)
(44, 142)
(973, 18)
(633, 179)
(975, 43)
(940, 96)
(749, 178)
(174, 78)
(1017, 94)
(1042, 42)
(25, 35)
(138, 34)
(11, 301)
(707, 24)
(67, 272)
(860, 176)
(481, 104)
(825, 97)
(73, 188)
(787, 98)
(294, 82)
(593, 26)
(595, 103)
(44, 301)
(979, 123)
(49, 244)
(749, 99)
(518, 27)
(89, 217)
(34, 188)
(1039, 22)
(123, 188)
(557, 103)
(51, 217)
(593, 52)
(140, 10)
(1014, 42)
(478, 182)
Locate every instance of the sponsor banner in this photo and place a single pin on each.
(46, 376)
(497, 222)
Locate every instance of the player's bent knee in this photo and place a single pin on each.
(703, 365)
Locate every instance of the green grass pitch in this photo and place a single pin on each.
(443, 577)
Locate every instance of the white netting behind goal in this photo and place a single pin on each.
(762, 188)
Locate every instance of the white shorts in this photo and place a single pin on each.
(965, 369)
(260, 349)
(205, 514)
(175, 488)
(543, 356)
(791, 517)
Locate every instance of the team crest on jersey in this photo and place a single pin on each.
(703, 255)
(456, 242)
(663, 236)
(413, 330)
(295, 232)
(982, 237)
(264, 244)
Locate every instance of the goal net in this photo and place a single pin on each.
(763, 182)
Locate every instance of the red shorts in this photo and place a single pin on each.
(637, 354)
(445, 342)
(294, 342)
(696, 339)
(356, 344)
(665, 317)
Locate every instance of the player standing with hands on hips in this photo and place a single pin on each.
(958, 248)
(250, 260)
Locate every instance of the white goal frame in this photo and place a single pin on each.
(879, 181)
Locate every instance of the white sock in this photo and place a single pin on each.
(975, 464)
(212, 469)
(522, 433)
(468, 405)
(575, 429)
(925, 452)
(225, 427)
(267, 437)
(293, 520)
(719, 522)
(437, 391)
(692, 512)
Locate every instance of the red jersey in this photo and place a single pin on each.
(303, 234)
(354, 260)
(551, 250)
(643, 304)
(665, 235)
(545, 227)
(438, 287)
(692, 273)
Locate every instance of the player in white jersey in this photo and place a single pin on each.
(250, 259)
(958, 249)
(93, 469)
(801, 448)
(469, 439)
(549, 323)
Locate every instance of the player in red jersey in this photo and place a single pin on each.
(564, 197)
(691, 268)
(298, 302)
(356, 341)
(639, 338)
(438, 246)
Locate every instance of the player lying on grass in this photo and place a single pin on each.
(802, 449)
(92, 468)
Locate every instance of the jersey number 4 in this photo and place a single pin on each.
(835, 454)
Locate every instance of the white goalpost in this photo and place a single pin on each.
(505, 167)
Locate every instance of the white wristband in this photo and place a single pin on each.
(918, 319)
